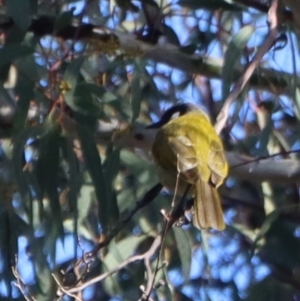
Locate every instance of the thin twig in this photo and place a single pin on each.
(252, 160)
(20, 283)
(64, 290)
(156, 243)
(177, 212)
(147, 198)
(168, 225)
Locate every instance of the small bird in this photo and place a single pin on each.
(186, 144)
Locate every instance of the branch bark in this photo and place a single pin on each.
(101, 38)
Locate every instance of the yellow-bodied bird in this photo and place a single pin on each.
(187, 144)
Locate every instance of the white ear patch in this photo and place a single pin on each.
(175, 115)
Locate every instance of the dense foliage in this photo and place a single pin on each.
(82, 215)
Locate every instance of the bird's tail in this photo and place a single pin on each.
(207, 207)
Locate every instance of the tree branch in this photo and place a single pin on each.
(175, 214)
(283, 171)
(102, 39)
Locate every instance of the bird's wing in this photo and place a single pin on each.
(217, 163)
(187, 161)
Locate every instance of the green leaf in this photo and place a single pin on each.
(94, 89)
(63, 20)
(210, 5)
(11, 225)
(5, 97)
(270, 289)
(20, 12)
(72, 71)
(42, 270)
(170, 34)
(281, 246)
(108, 97)
(232, 56)
(33, 6)
(269, 220)
(75, 177)
(112, 164)
(264, 139)
(25, 90)
(78, 94)
(9, 53)
(95, 169)
(46, 173)
(122, 250)
(185, 251)
(135, 163)
(85, 201)
(297, 103)
(136, 96)
(84, 102)
(70, 79)
(27, 67)
(111, 170)
(18, 159)
(6, 237)
(99, 92)
(189, 49)
(118, 253)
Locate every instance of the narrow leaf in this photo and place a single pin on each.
(122, 250)
(46, 173)
(18, 158)
(269, 220)
(185, 251)
(70, 80)
(111, 169)
(264, 139)
(297, 103)
(136, 96)
(233, 55)
(210, 5)
(9, 53)
(74, 174)
(20, 12)
(95, 169)
(63, 20)
(25, 91)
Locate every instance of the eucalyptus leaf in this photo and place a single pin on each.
(136, 96)
(171, 35)
(25, 89)
(20, 11)
(46, 172)
(210, 5)
(232, 56)
(122, 250)
(270, 289)
(269, 220)
(63, 20)
(185, 251)
(94, 166)
(70, 80)
(9, 53)
(111, 170)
